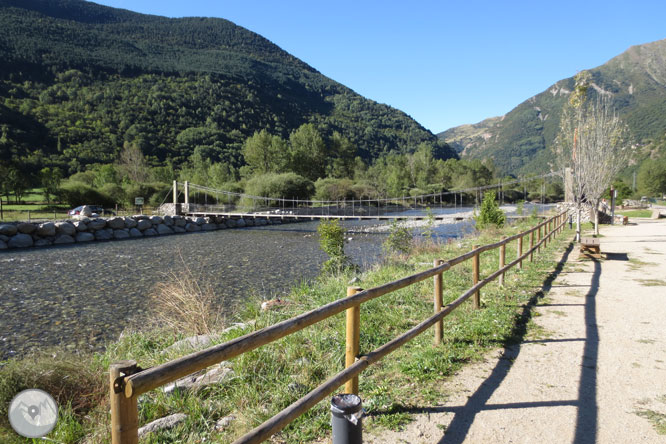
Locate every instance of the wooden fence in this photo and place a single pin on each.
(128, 381)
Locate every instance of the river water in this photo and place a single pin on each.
(81, 296)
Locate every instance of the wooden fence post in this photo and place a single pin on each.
(531, 246)
(520, 252)
(124, 411)
(502, 260)
(475, 274)
(539, 239)
(438, 302)
(353, 339)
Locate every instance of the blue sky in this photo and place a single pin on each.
(444, 63)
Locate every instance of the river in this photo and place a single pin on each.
(81, 296)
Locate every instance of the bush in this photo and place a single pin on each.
(332, 242)
(490, 212)
(399, 239)
(78, 193)
(334, 189)
(364, 190)
(152, 193)
(287, 185)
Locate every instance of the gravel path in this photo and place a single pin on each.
(596, 373)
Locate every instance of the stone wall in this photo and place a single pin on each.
(26, 234)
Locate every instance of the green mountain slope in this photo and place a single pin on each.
(520, 141)
(79, 79)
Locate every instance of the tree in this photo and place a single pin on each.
(132, 163)
(652, 176)
(592, 143)
(308, 152)
(265, 153)
(50, 178)
(490, 213)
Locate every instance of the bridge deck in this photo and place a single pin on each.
(320, 216)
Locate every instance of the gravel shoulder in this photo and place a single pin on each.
(594, 371)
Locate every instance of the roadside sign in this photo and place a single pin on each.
(138, 201)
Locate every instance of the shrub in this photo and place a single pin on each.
(153, 193)
(287, 185)
(490, 212)
(332, 242)
(364, 190)
(399, 239)
(333, 189)
(78, 193)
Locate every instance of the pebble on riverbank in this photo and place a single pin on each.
(25, 234)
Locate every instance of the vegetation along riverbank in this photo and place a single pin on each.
(256, 385)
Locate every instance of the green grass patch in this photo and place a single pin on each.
(268, 379)
(652, 282)
(635, 213)
(657, 419)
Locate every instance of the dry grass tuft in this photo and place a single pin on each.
(186, 303)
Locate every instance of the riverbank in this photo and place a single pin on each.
(260, 383)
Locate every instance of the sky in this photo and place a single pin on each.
(445, 63)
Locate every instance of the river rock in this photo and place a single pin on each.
(150, 232)
(96, 224)
(231, 223)
(178, 230)
(144, 224)
(179, 221)
(121, 234)
(189, 344)
(66, 228)
(168, 422)
(261, 222)
(156, 220)
(196, 381)
(81, 226)
(225, 422)
(191, 227)
(240, 223)
(208, 227)
(63, 239)
(46, 229)
(26, 228)
(163, 229)
(86, 211)
(135, 232)
(8, 230)
(116, 223)
(3, 245)
(130, 222)
(199, 221)
(4, 238)
(105, 234)
(249, 223)
(168, 221)
(85, 237)
(222, 226)
(43, 242)
(20, 240)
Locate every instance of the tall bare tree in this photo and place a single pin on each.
(593, 144)
(132, 163)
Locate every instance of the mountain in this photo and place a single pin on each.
(79, 79)
(521, 140)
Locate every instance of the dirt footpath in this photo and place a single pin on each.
(596, 371)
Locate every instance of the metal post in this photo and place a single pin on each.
(502, 259)
(353, 338)
(346, 419)
(175, 192)
(187, 192)
(475, 274)
(438, 302)
(124, 411)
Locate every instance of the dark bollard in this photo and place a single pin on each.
(570, 222)
(346, 415)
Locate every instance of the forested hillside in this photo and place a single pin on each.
(521, 141)
(80, 81)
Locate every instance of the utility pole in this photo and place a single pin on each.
(633, 188)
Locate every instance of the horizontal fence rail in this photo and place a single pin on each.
(128, 381)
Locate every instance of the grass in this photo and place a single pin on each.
(637, 264)
(635, 213)
(263, 381)
(652, 282)
(657, 419)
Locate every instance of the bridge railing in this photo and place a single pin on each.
(128, 381)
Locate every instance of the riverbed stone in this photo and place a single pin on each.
(20, 240)
(4, 238)
(168, 221)
(196, 381)
(179, 221)
(135, 232)
(178, 230)
(249, 222)
(231, 223)
(96, 224)
(144, 224)
(46, 229)
(26, 228)
(208, 227)
(130, 222)
(191, 227)
(156, 220)
(240, 223)
(3, 245)
(200, 221)
(168, 422)
(81, 226)
(116, 223)
(66, 228)
(150, 232)
(224, 422)
(8, 229)
(121, 234)
(222, 226)
(85, 237)
(103, 235)
(43, 242)
(163, 229)
(63, 239)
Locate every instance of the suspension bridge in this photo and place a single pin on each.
(202, 201)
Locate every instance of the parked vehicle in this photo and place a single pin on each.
(96, 209)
